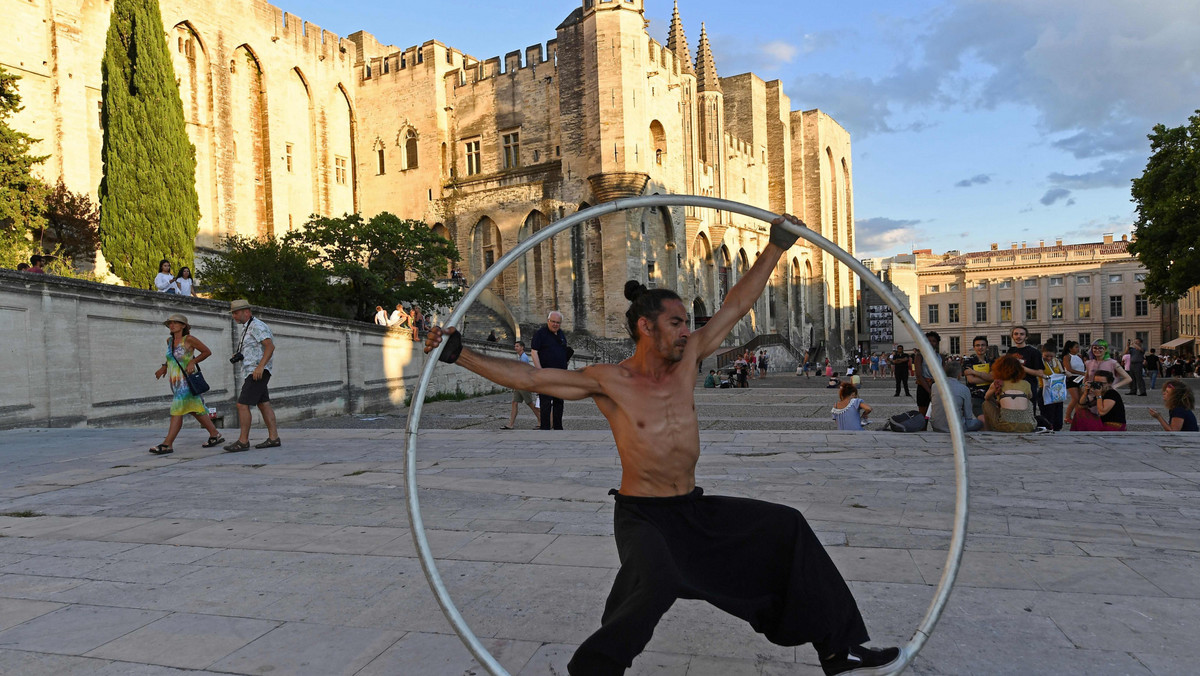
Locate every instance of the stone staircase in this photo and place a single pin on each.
(480, 320)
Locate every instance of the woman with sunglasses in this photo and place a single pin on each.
(1101, 408)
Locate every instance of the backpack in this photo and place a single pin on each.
(910, 421)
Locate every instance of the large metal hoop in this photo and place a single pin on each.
(412, 428)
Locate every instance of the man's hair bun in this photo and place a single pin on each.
(633, 289)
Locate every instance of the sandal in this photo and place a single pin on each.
(162, 449)
(505, 427)
(212, 441)
(269, 443)
(236, 447)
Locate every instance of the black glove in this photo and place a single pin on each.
(782, 238)
(452, 349)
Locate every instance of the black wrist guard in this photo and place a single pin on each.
(452, 349)
(782, 238)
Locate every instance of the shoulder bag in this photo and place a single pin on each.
(196, 382)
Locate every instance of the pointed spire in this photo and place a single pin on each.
(677, 42)
(706, 67)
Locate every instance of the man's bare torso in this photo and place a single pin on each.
(654, 423)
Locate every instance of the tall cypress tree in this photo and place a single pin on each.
(148, 204)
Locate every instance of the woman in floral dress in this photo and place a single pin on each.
(179, 360)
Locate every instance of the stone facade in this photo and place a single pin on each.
(289, 120)
(1078, 292)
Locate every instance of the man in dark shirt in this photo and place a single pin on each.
(1137, 360)
(1153, 368)
(1031, 361)
(900, 368)
(550, 351)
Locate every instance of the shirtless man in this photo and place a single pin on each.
(756, 560)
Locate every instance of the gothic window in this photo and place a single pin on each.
(410, 149)
(382, 163)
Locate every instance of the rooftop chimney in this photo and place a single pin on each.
(1014, 245)
(1041, 244)
(1058, 241)
(1124, 238)
(995, 246)
(1108, 238)
(1022, 244)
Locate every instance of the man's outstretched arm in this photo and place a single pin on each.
(749, 288)
(560, 383)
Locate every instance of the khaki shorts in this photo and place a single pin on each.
(522, 396)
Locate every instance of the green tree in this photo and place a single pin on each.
(71, 223)
(370, 261)
(148, 204)
(1167, 229)
(22, 195)
(280, 273)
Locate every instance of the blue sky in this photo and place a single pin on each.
(972, 121)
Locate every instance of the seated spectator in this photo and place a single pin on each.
(1178, 399)
(850, 412)
(1101, 409)
(381, 316)
(22, 267)
(491, 337)
(711, 380)
(35, 264)
(960, 402)
(1008, 405)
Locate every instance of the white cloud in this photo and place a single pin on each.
(884, 236)
(780, 51)
(1102, 75)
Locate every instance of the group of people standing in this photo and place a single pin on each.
(254, 359)
(180, 283)
(549, 350)
(1030, 388)
(414, 321)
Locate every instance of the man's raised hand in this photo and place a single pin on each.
(433, 338)
(783, 238)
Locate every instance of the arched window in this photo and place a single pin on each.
(659, 138)
(410, 149)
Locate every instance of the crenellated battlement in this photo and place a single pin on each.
(514, 62)
(737, 147)
(309, 37)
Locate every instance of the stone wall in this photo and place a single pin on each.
(76, 353)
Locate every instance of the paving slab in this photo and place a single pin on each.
(1083, 553)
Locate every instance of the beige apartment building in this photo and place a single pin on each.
(1187, 323)
(1079, 292)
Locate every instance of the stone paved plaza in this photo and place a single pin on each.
(1083, 555)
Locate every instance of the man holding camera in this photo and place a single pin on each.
(254, 359)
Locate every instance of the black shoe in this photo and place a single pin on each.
(861, 661)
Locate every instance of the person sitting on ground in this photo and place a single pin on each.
(850, 412)
(711, 380)
(960, 401)
(1101, 408)
(756, 560)
(1007, 406)
(1178, 399)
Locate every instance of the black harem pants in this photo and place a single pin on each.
(755, 560)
